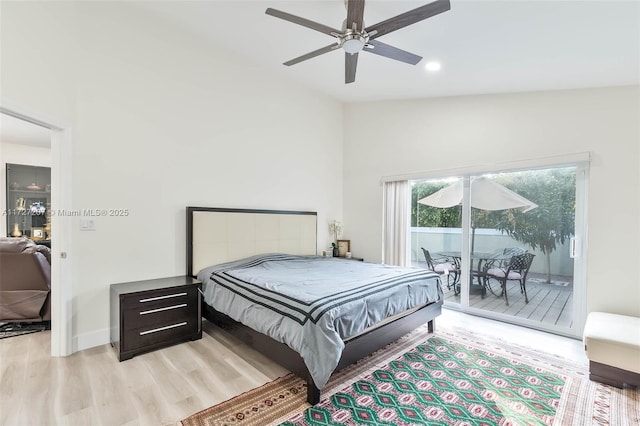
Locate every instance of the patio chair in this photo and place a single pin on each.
(443, 266)
(514, 250)
(516, 270)
(503, 257)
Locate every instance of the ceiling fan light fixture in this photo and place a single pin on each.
(353, 41)
(353, 45)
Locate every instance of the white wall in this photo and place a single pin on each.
(394, 138)
(18, 154)
(160, 121)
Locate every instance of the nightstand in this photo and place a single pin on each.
(147, 315)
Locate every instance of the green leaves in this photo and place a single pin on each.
(427, 216)
(553, 221)
(542, 228)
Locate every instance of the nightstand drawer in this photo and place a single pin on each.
(161, 314)
(150, 300)
(150, 335)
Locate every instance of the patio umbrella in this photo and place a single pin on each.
(485, 195)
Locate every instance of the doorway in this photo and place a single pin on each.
(61, 281)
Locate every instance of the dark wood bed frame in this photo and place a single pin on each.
(355, 349)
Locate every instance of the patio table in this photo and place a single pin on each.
(482, 258)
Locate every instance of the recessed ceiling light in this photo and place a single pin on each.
(432, 66)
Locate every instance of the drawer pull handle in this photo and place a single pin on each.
(155, 330)
(153, 311)
(168, 296)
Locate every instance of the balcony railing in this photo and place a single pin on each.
(486, 241)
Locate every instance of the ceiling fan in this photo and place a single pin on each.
(354, 37)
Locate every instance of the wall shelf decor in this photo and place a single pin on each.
(28, 200)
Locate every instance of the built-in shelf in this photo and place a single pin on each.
(22, 219)
(30, 191)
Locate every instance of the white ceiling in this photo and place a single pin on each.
(20, 132)
(484, 46)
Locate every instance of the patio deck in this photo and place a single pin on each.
(550, 304)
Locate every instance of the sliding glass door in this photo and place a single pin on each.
(505, 243)
(436, 235)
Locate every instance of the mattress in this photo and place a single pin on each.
(313, 304)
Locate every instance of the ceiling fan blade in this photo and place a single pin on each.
(382, 49)
(313, 54)
(408, 18)
(301, 21)
(350, 64)
(355, 14)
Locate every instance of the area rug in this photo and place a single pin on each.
(12, 329)
(447, 378)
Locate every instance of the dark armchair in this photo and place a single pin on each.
(443, 266)
(25, 281)
(516, 269)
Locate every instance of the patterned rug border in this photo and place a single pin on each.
(583, 402)
(252, 397)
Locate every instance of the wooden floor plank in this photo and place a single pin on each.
(160, 388)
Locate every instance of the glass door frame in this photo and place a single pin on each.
(581, 163)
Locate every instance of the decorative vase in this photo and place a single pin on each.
(335, 252)
(21, 204)
(16, 231)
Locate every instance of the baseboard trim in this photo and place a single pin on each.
(91, 340)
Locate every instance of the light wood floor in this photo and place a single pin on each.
(160, 388)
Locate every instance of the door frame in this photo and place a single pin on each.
(61, 277)
(579, 305)
(581, 162)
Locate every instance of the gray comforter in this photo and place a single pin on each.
(313, 303)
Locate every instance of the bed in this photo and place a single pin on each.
(263, 282)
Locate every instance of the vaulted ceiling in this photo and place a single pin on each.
(483, 46)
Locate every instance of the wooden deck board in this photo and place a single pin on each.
(549, 304)
(557, 307)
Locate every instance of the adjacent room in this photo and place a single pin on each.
(320, 212)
